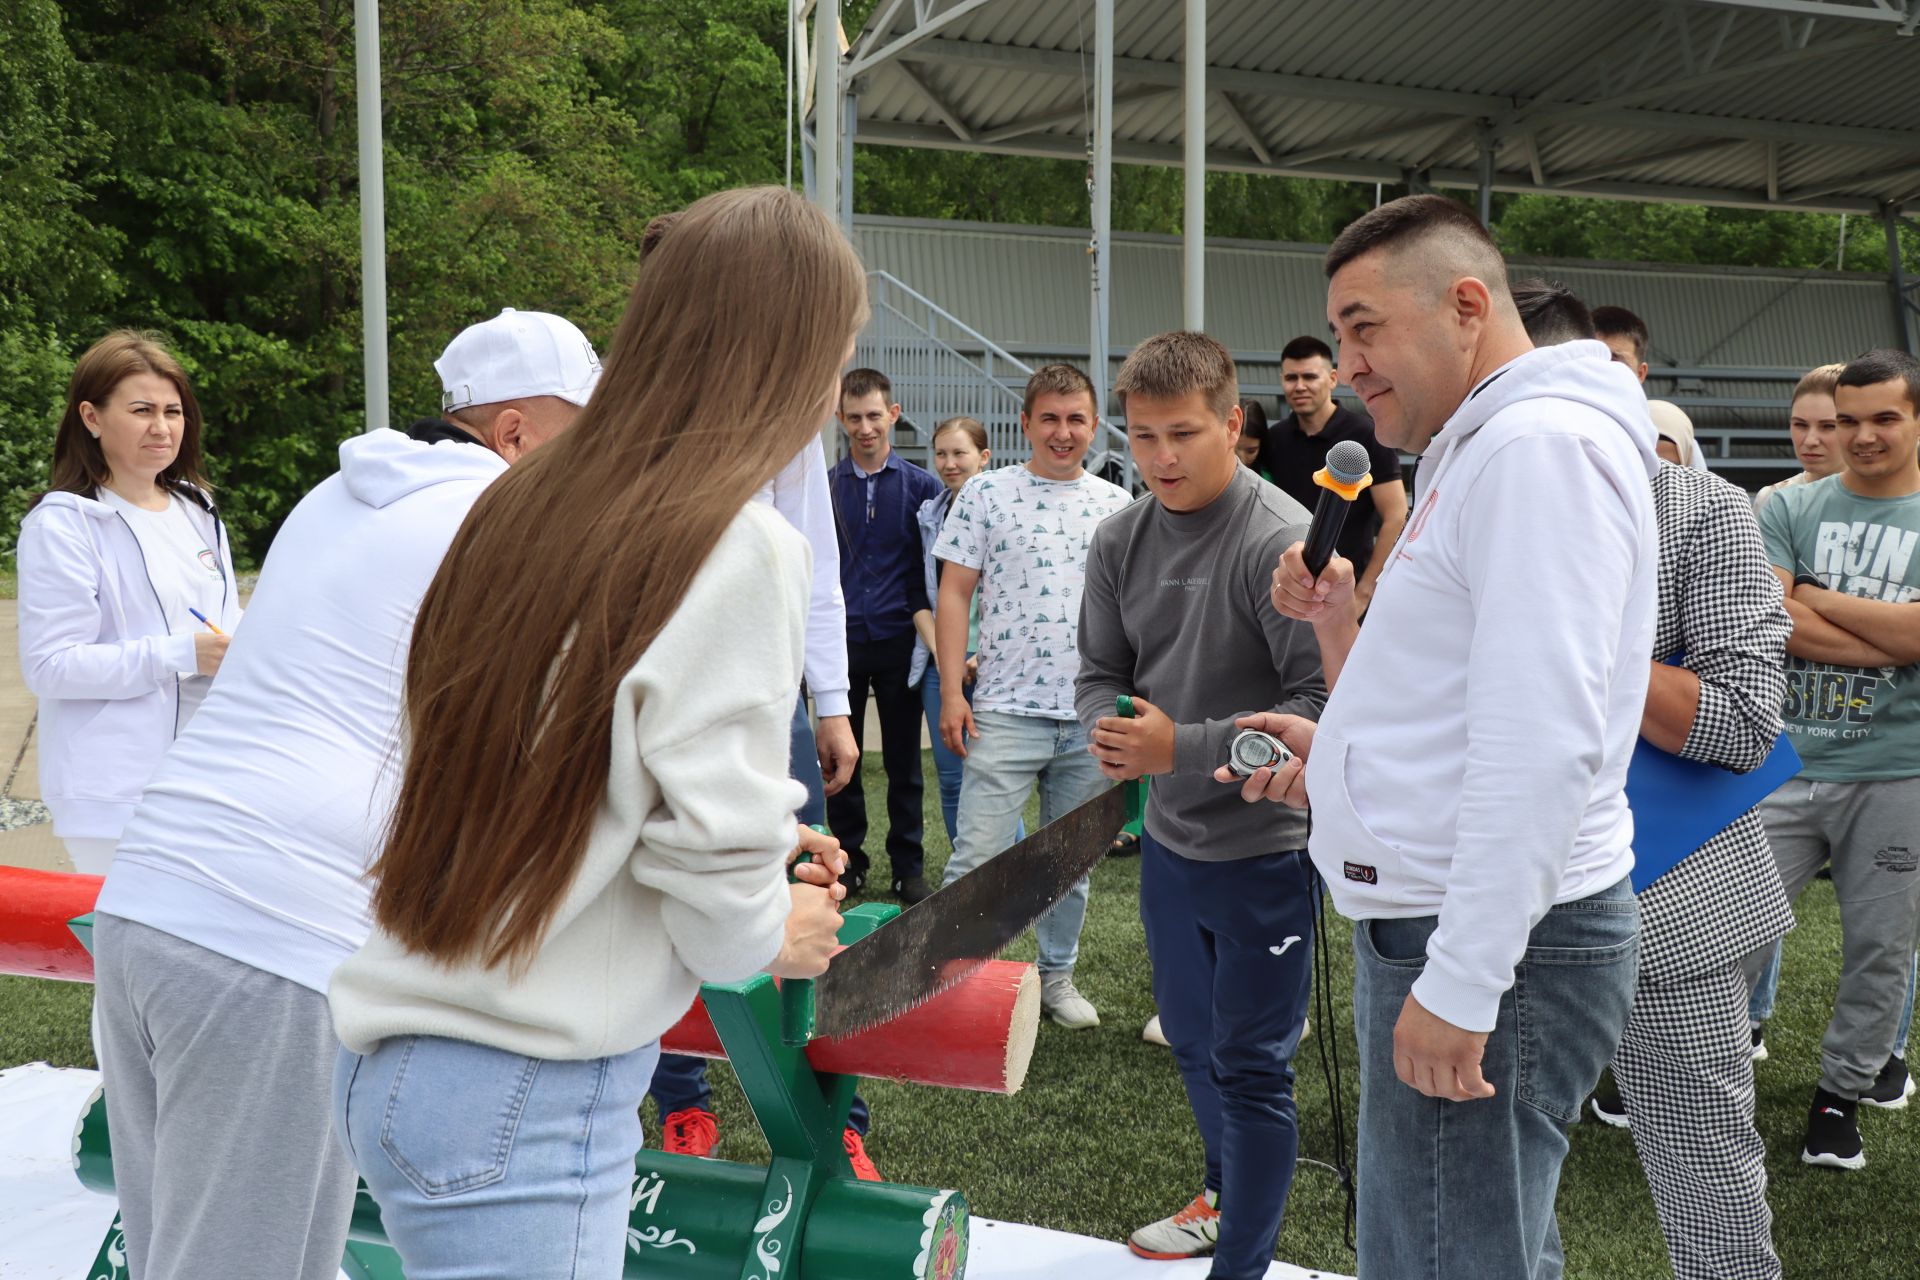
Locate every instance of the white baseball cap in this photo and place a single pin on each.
(515, 355)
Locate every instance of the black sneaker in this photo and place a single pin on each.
(912, 890)
(1892, 1087)
(1606, 1105)
(1759, 1044)
(855, 877)
(1833, 1134)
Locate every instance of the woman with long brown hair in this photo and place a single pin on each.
(594, 809)
(127, 589)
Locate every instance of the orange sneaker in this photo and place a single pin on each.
(1187, 1234)
(857, 1153)
(692, 1132)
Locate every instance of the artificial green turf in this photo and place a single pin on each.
(1100, 1140)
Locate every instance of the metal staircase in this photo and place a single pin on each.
(942, 368)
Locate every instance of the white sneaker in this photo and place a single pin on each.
(1190, 1233)
(1062, 1001)
(1152, 1033)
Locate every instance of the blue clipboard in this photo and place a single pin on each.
(1678, 805)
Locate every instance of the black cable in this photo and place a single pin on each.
(1330, 1059)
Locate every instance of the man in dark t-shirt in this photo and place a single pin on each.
(1297, 447)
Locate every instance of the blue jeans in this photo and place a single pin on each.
(1232, 951)
(680, 1081)
(949, 767)
(1010, 753)
(1767, 990)
(1455, 1189)
(487, 1163)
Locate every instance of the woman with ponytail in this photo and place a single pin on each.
(594, 812)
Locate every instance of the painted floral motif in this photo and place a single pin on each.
(112, 1262)
(646, 1191)
(658, 1239)
(764, 1249)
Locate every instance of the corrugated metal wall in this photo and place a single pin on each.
(1029, 286)
(1027, 289)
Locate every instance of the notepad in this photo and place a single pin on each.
(1678, 805)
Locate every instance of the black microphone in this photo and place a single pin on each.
(1348, 471)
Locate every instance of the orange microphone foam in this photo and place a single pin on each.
(1348, 490)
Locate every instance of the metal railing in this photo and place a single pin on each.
(943, 368)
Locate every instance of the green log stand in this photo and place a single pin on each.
(803, 1217)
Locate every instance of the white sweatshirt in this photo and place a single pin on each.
(800, 493)
(1472, 759)
(256, 831)
(683, 878)
(97, 650)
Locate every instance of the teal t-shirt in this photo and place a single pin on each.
(1850, 724)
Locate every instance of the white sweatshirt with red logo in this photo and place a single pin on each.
(1472, 760)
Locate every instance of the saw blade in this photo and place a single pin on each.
(933, 945)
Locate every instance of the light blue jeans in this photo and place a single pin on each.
(491, 1164)
(1003, 762)
(946, 765)
(1766, 991)
(1449, 1190)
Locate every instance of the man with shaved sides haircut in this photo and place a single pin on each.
(1468, 775)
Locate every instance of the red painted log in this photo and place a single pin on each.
(34, 909)
(977, 1036)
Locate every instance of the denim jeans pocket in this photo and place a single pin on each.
(1397, 944)
(452, 1113)
(1571, 995)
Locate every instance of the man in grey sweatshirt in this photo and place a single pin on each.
(1174, 616)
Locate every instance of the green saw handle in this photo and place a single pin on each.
(796, 994)
(1137, 790)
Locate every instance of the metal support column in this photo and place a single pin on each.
(826, 106)
(1486, 176)
(1193, 230)
(849, 121)
(1102, 191)
(1906, 293)
(373, 209)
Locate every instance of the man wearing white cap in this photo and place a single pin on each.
(238, 886)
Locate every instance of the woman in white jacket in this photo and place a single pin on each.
(114, 560)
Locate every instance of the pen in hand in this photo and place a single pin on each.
(205, 621)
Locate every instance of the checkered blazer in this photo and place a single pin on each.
(1720, 605)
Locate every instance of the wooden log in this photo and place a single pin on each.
(34, 909)
(977, 1036)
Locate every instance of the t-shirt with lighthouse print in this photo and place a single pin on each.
(1850, 724)
(1029, 538)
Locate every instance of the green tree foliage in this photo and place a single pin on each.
(190, 166)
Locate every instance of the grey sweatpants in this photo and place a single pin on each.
(219, 1082)
(1869, 833)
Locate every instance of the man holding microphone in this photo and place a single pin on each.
(1468, 773)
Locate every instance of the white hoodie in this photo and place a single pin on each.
(95, 649)
(1472, 759)
(254, 834)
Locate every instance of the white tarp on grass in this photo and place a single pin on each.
(51, 1226)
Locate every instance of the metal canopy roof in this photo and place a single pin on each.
(1779, 104)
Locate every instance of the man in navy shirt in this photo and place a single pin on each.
(1297, 447)
(876, 498)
